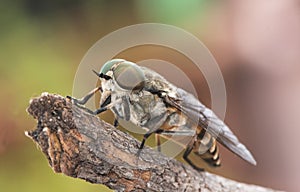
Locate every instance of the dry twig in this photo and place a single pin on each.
(83, 146)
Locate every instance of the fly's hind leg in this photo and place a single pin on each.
(188, 150)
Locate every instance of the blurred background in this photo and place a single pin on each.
(256, 43)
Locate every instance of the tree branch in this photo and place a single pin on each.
(83, 146)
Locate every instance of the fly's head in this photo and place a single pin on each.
(119, 75)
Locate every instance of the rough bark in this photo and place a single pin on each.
(83, 146)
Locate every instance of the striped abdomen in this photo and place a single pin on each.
(204, 144)
(206, 147)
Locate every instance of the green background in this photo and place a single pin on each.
(43, 42)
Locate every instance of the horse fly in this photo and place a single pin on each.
(145, 98)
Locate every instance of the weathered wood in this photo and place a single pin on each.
(83, 146)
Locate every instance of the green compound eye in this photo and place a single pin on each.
(129, 76)
(107, 66)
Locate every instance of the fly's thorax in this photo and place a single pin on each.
(142, 105)
(145, 106)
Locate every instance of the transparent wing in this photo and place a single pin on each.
(197, 112)
(207, 119)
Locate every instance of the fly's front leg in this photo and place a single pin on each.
(87, 97)
(126, 108)
(106, 107)
(105, 102)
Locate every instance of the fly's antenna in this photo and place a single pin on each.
(98, 74)
(101, 75)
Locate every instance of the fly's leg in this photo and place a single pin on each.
(116, 122)
(126, 108)
(146, 136)
(158, 143)
(179, 133)
(153, 125)
(161, 133)
(188, 150)
(100, 110)
(87, 97)
(106, 106)
(103, 108)
(106, 101)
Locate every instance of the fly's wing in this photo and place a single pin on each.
(197, 112)
(207, 119)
